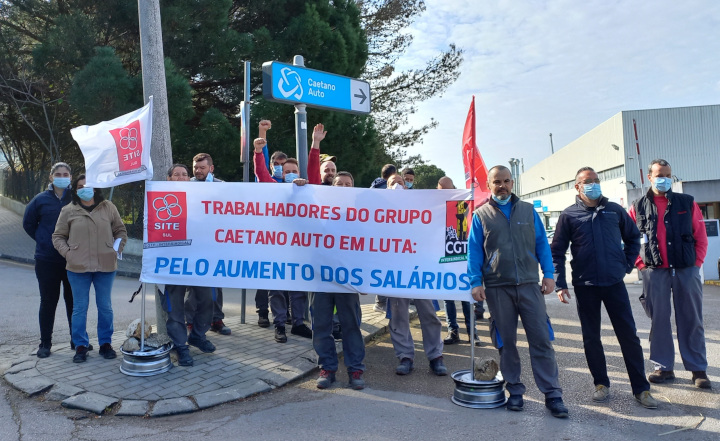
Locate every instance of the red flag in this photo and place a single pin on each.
(476, 172)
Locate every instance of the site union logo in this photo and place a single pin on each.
(457, 223)
(167, 219)
(129, 146)
(289, 83)
(167, 207)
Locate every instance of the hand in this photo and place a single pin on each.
(300, 182)
(263, 126)
(548, 285)
(564, 295)
(259, 143)
(318, 135)
(478, 293)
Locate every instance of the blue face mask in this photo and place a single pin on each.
(209, 177)
(592, 191)
(662, 185)
(86, 193)
(289, 177)
(500, 201)
(61, 182)
(408, 184)
(277, 171)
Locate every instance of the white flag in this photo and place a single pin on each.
(118, 151)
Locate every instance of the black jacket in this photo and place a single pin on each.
(597, 235)
(39, 220)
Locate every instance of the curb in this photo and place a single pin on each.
(712, 282)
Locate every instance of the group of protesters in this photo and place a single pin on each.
(79, 237)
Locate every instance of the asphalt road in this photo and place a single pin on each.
(415, 407)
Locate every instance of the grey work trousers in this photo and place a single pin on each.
(174, 305)
(192, 302)
(400, 328)
(279, 307)
(505, 304)
(687, 297)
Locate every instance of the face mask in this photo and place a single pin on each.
(277, 171)
(408, 184)
(289, 177)
(592, 191)
(209, 177)
(662, 185)
(86, 193)
(61, 182)
(500, 201)
(397, 187)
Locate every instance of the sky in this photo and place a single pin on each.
(559, 66)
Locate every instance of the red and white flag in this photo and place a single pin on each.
(117, 151)
(476, 172)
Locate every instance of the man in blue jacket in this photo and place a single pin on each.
(597, 229)
(507, 241)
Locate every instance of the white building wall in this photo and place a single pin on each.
(687, 137)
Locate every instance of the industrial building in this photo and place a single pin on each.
(687, 137)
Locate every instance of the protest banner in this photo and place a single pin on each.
(117, 151)
(410, 244)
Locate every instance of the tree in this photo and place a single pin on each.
(396, 94)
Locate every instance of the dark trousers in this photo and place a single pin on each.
(617, 304)
(261, 301)
(279, 307)
(50, 276)
(191, 305)
(174, 305)
(350, 318)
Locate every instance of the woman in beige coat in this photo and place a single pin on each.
(84, 235)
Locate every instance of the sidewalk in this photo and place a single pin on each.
(247, 362)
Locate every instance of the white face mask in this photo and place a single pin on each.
(397, 187)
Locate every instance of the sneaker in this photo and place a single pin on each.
(107, 351)
(184, 358)
(380, 307)
(263, 320)
(557, 407)
(438, 367)
(301, 331)
(220, 327)
(405, 366)
(698, 377)
(661, 376)
(204, 345)
(80, 354)
(646, 400)
(452, 337)
(325, 379)
(43, 351)
(479, 315)
(89, 346)
(280, 336)
(515, 403)
(601, 394)
(337, 335)
(356, 380)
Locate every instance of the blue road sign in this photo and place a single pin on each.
(537, 203)
(285, 83)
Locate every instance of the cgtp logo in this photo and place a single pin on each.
(128, 143)
(290, 83)
(457, 224)
(167, 216)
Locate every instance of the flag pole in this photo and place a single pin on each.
(472, 198)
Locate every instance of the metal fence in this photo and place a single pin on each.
(22, 186)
